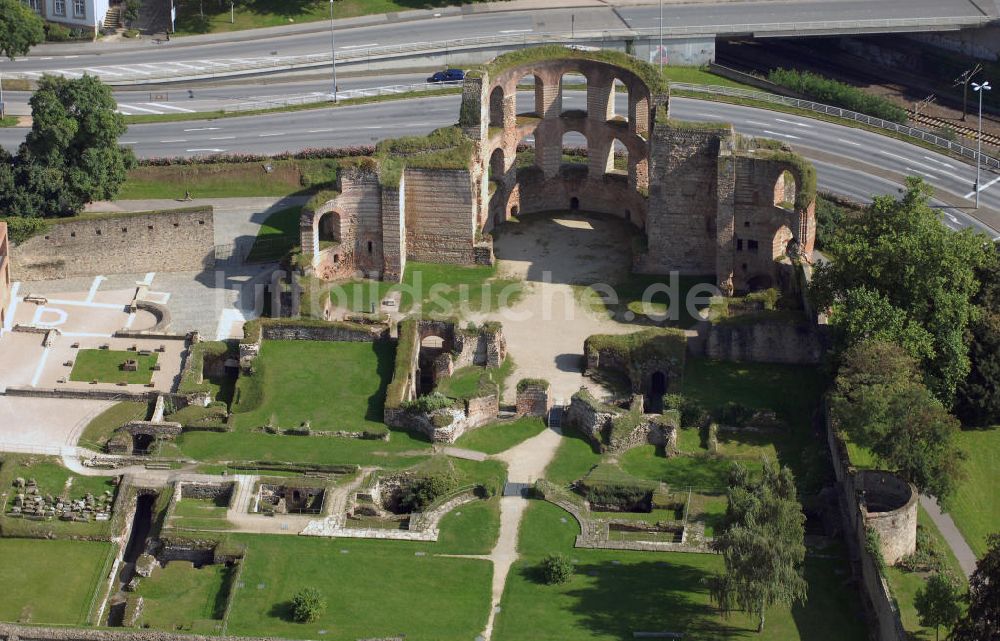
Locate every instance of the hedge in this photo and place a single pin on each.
(837, 93)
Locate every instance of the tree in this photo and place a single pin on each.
(900, 249)
(71, 155)
(555, 568)
(937, 603)
(20, 28)
(982, 618)
(978, 402)
(762, 544)
(132, 11)
(866, 314)
(880, 403)
(308, 605)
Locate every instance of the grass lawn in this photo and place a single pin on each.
(372, 589)
(905, 584)
(104, 365)
(472, 528)
(200, 514)
(99, 430)
(793, 392)
(360, 295)
(495, 438)
(50, 582)
(180, 597)
(631, 293)
(701, 472)
(616, 593)
(574, 458)
(227, 180)
(51, 476)
(277, 236)
(976, 505)
(334, 386)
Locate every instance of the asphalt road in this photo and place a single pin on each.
(195, 53)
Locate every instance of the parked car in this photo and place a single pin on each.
(449, 75)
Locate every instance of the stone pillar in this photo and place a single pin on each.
(600, 157)
(725, 218)
(548, 148)
(548, 95)
(600, 96)
(638, 113)
(394, 231)
(473, 115)
(638, 171)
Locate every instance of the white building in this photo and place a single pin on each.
(75, 14)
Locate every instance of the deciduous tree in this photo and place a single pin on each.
(20, 28)
(981, 621)
(978, 402)
(937, 603)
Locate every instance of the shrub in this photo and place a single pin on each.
(525, 383)
(733, 413)
(873, 545)
(427, 404)
(928, 556)
(627, 498)
(56, 32)
(691, 411)
(424, 491)
(555, 568)
(838, 94)
(21, 228)
(308, 605)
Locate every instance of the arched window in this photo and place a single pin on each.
(496, 107)
(573, 89)
(785, 190)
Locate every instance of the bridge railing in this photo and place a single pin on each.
(988, 162)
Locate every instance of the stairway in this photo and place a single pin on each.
(113, 18)
(555, 416)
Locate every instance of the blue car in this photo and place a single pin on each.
(450, 75)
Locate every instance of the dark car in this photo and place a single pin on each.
(449, 75)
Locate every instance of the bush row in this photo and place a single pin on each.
(838, 94)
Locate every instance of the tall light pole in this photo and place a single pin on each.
(333, 52)
(980, 89)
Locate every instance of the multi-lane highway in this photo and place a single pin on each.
(849, 161)
(183, 56)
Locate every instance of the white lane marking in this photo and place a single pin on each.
(950, 217)
(920, 164)
(183, 64)
(202, 129)
(517, 31)
(319, 131)
(989, 184)
(175, 140)
(93, 288)
(152, 111)
(100, 71)
(41, 366)
(935, 160)
(922, 172)
(80, 303)
(270, 135)
(211, 150)
(149, 66)
(70, 73)
(792, 122)
(128, 142)
(162, 106)
(370, 44)
(373, 127)
(849, 142)
(125, 113)
(775, 133)
(131, 70)
(756, 122)
(223, 138)
(73, 56)
(8, 322)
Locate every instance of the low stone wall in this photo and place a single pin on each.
(476, 412)
(158, 429)
(591, 418)
(332, 333)
(762, 342)
(84, 394)
(533, 400)
(212, 491)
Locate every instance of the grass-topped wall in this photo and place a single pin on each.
(444, 148)
(406, 352)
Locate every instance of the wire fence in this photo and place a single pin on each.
(275, 102)
(988, 162)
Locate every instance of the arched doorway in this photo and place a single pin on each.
(657, 388)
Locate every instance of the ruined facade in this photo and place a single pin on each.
(709, 200)
(5, 286)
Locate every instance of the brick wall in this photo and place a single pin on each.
(171, 241)
(5, 278)
(439, 207)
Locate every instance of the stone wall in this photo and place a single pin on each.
(170, 241)
(761, 342)
(889, 506)
(438, 210)
(5, 278)
(290, 331)
(591, 418)
(533, 400)
(213, 491)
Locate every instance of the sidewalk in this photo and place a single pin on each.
(966, 557)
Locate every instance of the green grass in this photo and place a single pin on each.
(180, 597)
(495, 438)
(51, 477)
(104, 366)
(615, 593)
(574, 458)
(335, 386)
(277, 236)
(472, 528)
(8, 121)
(976, 505)
(220, 180)
(360, 295)
(200, 514)
(703, 472)
(463, 383)
(632, 308)
(49, 582)
(904, 585)
(100, 429)
(375, 589)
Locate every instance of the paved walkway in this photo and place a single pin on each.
(966, 557)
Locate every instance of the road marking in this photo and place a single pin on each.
(775, 133)
(950, 217)
(920, 164)
(370, 44)
(935, 160)
(162, 106)
(8, 322)
(373, 127)
(756, 122)
(101, 71)
(202, 129)
(93, 288)
(989, 184)
(223, 138)
(849, 142)
(517, 31)
(184, 64)
(131, 70)
(128, 142)
(176, 140)
(219, 151)
(922, 172)
(146, 109)
(792, 122)
(80, 303)
(41, 366)
(319, 131)
(149, 66)
(270, 135)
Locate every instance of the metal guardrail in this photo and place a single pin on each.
(989, 162)
(359, 54)
(269, 102)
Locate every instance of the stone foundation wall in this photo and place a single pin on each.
(332, 333)
(181, 240)
(762, 342)
(588, 417)
(213, 491)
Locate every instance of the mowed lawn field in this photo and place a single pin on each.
(976, 505)
(373, 589)
(50, 582)
(614, 594)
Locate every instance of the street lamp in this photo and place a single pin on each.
(980, 89)
(660, 52)
(333, 52)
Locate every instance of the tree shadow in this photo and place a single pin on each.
(283, 611)
(385, 359)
